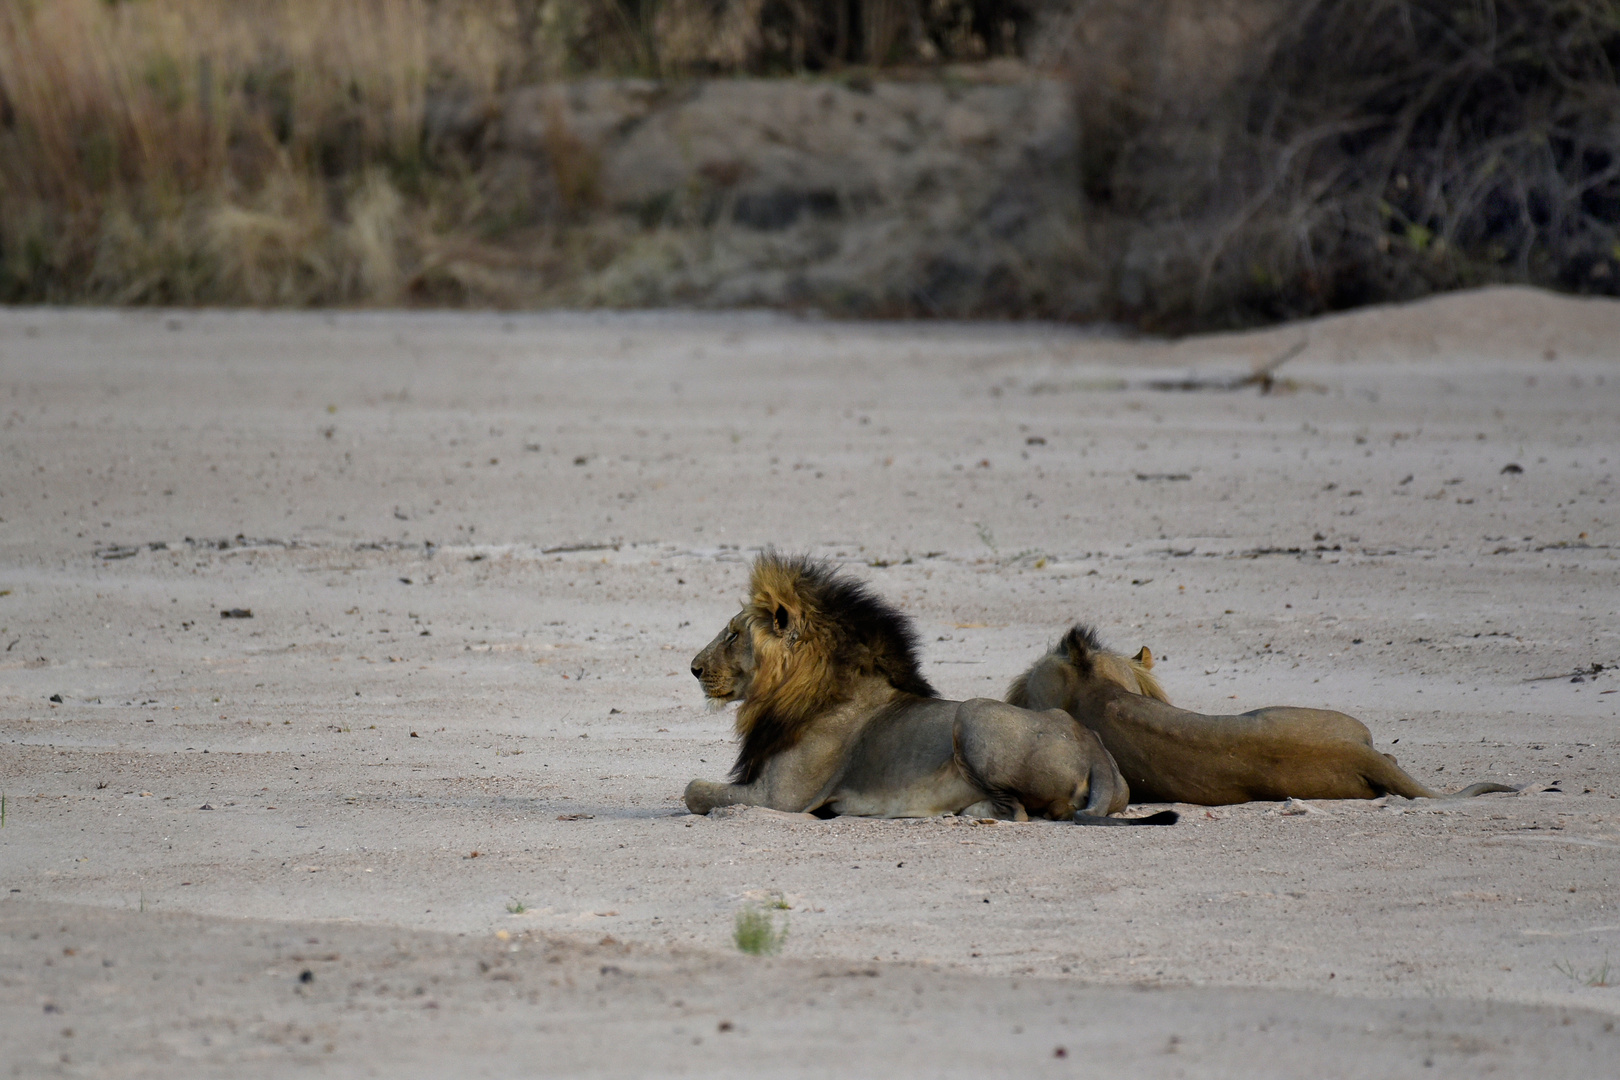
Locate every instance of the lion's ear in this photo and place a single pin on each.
(1144, 658)
(783, 619)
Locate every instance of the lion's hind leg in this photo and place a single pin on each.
(991, 749)
(980, 768)
(1044, 761)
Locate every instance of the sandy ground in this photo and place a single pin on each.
(480, 551)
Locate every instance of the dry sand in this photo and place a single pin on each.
(480, 551)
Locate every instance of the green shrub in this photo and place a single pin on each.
(757, 932)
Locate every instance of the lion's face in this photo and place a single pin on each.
(725, 667)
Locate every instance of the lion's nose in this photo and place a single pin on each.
(697, 672)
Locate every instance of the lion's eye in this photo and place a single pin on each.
(731, 637)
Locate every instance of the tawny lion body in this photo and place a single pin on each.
(1173, 755)
(835, 718)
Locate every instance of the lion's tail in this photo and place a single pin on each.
(1163, 817)
(1485, 787)
(1384, 773)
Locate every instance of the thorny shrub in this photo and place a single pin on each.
(1379, 151)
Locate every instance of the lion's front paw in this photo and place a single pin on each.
(702, 796)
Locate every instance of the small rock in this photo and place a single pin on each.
(236, 613)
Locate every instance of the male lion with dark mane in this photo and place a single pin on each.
(1173, 755)
(836, 718)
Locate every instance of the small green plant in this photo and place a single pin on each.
(988, 539)
(757, 932)
(1596, 977)
(517, 907)
(1032, 556)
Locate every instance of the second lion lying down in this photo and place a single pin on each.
(836, 718)
(1173, 755)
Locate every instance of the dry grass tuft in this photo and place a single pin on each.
(294, 152)
(182, 151)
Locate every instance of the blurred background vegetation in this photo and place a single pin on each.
(1242, 160)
